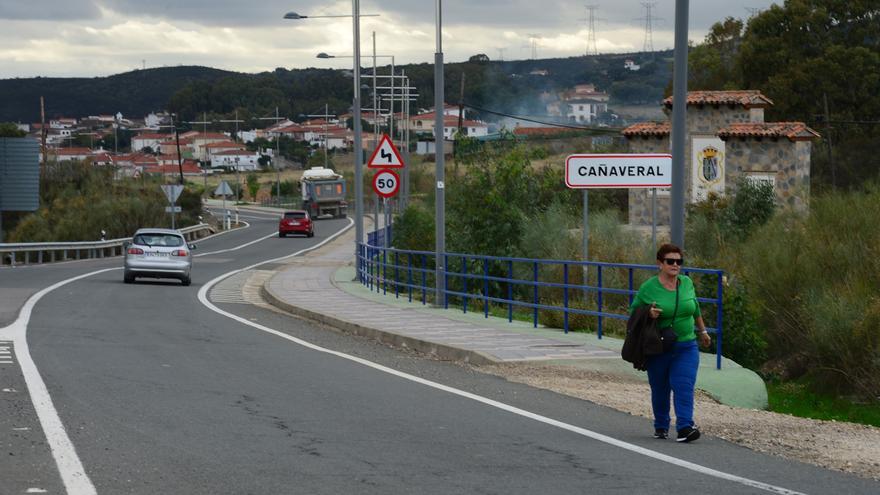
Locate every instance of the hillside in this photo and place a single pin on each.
(507, 86)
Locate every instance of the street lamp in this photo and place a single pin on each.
(356, 110)
(439, 165)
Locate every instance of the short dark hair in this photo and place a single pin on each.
(666, 249)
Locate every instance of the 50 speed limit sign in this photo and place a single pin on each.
(386, 183)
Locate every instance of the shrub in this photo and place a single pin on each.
(816, 279)
(414, 229)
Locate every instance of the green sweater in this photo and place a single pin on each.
(688, 306)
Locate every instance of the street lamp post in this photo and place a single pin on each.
(356, 110)
(440, 166)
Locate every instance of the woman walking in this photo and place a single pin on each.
(673, 301)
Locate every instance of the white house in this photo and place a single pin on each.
(585, 111)
(148, 140)
(630, 64)
(241, 160)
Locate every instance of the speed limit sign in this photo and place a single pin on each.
(386, 183)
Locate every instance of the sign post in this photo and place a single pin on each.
(224, 190)
(172, 192)
(616, 171)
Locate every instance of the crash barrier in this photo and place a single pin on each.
(29, 253)
(526, 287)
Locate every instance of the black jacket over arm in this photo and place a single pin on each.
(642, 338)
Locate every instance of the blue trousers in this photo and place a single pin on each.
(675, 372)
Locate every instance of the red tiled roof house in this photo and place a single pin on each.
(727, 139)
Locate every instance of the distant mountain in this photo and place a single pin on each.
(193, 92)
(135, 93)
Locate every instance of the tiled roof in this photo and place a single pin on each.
(153, 136)
(795, 131)
(746, 98)
(73, 151)
(236, 153)
(225, 144)
(540, 131)
(657, 129)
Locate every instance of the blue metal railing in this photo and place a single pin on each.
(605, 289)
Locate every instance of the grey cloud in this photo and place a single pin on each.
(529, 15)
(49, 10)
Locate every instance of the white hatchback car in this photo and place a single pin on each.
(158, 253)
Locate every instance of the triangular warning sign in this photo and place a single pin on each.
(386, 155)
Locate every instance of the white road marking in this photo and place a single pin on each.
(73, 475)
(203, 293)
(273, 234)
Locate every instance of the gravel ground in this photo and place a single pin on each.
(847, 447)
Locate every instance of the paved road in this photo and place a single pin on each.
(160, 394)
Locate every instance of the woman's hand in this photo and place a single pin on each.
(704, 339)
(654, 311)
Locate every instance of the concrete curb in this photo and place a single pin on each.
(440, 351)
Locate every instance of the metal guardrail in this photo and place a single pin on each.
(27, 253)
(524, 285)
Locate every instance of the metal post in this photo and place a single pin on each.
(391, 103)
(679, 114)
(654, 219)
(358, 147)
(375, 96)
(586, 241)
(440, 170)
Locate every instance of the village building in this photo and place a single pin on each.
(727, 139)
(238, 159)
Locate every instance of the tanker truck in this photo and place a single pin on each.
(323, 193)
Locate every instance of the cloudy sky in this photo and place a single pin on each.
(85, 38)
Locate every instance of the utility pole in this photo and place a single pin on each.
(236, 120)
(276, 118)
(828, 138)
(679, 122)
(43, 131)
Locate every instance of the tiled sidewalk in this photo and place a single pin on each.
(306, 287)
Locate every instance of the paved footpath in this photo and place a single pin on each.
(319, 285)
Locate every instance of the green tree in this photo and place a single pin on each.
(8, 129)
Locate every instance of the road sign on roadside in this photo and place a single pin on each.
(223, 189)
(172, 191)
(624, 171)
(386, 183)
(385, 155)
(173, 209)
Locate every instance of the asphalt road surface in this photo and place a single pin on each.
(156, 392)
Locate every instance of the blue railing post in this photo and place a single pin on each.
(599, 300)
(565, 297)
(535, 306)
(464, 284)
(510, 290)
(720, 323)
(384, 271)
(424, 278)
(486, 287)
(445, 280)
(409, 280)
(396, 276)
(631, 295)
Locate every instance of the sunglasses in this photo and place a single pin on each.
(673, 261)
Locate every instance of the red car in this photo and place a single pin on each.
(296, 222)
